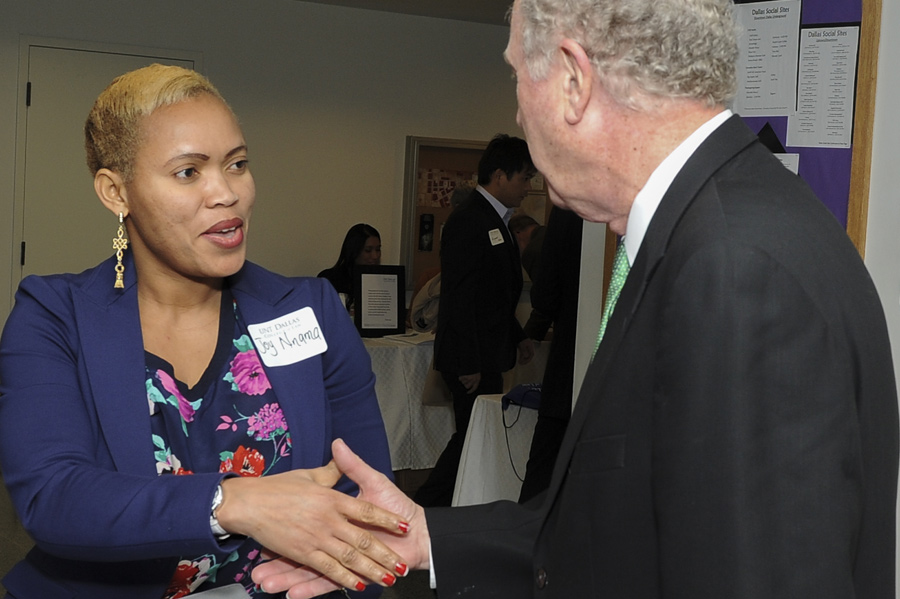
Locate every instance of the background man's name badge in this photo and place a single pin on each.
(288, 339)
(496, 236)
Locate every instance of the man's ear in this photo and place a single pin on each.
(110, 188)
(579, 80)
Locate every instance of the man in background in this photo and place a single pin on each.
(478, 336)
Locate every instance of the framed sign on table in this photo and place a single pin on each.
(379, 293)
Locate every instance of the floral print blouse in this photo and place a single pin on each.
(230, 421)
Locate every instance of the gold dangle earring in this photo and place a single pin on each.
(120, 244)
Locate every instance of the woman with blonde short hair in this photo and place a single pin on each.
(162, 411)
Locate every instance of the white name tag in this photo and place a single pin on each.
(496, 236)
(288, 339)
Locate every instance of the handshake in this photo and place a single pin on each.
(322, 540)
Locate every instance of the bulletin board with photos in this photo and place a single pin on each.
(434, 169)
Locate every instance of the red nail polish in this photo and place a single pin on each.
(401, 569)
(360, 586)
(403, 526)
(388, 579)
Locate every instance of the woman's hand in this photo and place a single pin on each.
(297, 515)
(283, 574)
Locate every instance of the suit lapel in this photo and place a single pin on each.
(497, 222)
(113, 353)
(720, 147)
(262, 297)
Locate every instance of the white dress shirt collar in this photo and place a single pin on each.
(648, 198)
(502, 210)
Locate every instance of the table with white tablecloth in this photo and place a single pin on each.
(417, 434)
(495, 452)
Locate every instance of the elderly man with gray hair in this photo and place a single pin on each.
(736, 434)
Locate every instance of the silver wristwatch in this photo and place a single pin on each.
(217, 529)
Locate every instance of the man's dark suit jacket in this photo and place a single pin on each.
(481, 281)
(554, 297)
(736, 433)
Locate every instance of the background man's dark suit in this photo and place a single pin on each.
(554, 297)
(736, 433)
(477, 330)
(481, 282)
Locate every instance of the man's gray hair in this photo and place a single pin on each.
(640, 49)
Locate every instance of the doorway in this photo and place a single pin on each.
(60, 225)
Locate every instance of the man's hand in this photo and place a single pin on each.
(526, 351)
(470, 381)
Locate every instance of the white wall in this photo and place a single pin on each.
(326, 96)
(883, 236)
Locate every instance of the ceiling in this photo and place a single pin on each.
(492, 12)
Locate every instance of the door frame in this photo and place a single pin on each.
(27, 42)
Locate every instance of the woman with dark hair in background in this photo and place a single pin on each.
(362, 245)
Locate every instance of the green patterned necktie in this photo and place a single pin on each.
(619, 274)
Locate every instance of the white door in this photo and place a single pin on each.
(64, 227)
